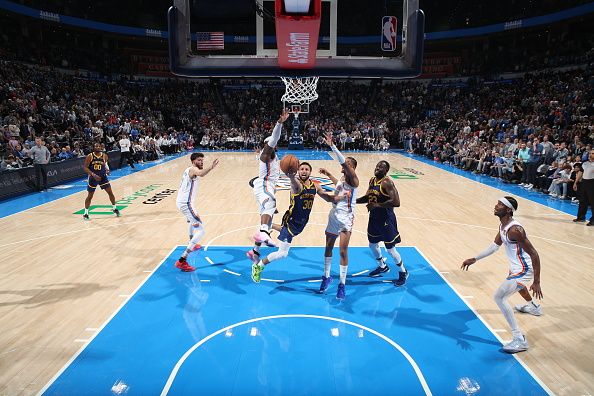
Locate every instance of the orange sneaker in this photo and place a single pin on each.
(183, 265)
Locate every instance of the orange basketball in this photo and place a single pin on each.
(289, 164)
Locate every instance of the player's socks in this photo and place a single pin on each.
(343, 273)
(327, 266)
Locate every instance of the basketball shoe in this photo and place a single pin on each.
(183, 265)
(382, 268)
(262, 237)
(325, 283)
(529, 308)
(516, 345)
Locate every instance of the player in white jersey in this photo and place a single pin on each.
(524, 267)
(265, 188)
(340, 218)
(185, 197)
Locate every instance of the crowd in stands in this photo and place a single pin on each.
(532, 130)
(535, 131)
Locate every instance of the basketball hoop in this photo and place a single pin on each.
(299, 93)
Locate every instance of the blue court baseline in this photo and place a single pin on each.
(216, 332)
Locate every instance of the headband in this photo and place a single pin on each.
(504, 201)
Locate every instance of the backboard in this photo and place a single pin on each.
(349, 43)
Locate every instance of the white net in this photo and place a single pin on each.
(300, 91)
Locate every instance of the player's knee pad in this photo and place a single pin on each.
(282, 252)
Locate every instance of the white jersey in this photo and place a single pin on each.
(187, 188)
(269, 173)
(348, 195)
(520, 263)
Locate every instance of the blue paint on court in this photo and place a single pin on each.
(543, 199)
(173, 312)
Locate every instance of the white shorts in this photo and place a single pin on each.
(266, 200)
(523, 281)
(339, 222)
(190, 214)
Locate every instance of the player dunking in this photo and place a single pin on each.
(303, 192)
(265, 188)
(185, 197)
(381, 199)
(340, 218)
(97, 167)
(524, 267)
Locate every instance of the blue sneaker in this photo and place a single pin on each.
(402, 277)
(325, 283)
(340, 292)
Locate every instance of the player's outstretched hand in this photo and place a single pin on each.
(536, 291)
(214, 163)
(324, 171)
(328, 138)
(284, 115)
(467, 263)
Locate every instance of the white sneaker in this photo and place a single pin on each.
(554, 195)
(262, 237)
(529, 186)
(522, 184)
(562, 197)
(529, 309)
(516, 345)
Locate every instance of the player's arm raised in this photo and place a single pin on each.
(296, 185)
(517, 233)
(268, 150)
(204, 171)
(89, 171)
(329, 175)
(349, 173)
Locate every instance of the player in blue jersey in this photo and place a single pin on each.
(303, 192)
(381, 199)
(97, 167)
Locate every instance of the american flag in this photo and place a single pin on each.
(211, 40)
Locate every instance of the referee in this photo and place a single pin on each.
(585, 190)
(41, 157)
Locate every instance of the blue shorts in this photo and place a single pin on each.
(92, 183)
(289, 231)
(386, 233)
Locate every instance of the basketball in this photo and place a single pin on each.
(289, 164)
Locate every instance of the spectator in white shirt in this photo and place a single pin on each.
(125, 151)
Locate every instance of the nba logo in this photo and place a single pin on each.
(389, 24)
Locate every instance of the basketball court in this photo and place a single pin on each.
(97, 307)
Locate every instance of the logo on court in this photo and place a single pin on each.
(122, 203)
(399, 174)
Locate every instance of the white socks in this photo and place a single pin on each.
(327, 266)
(343, 273)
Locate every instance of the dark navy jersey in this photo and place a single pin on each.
(97, 165)
(297, 215)
(382, 224)
(377, 194)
